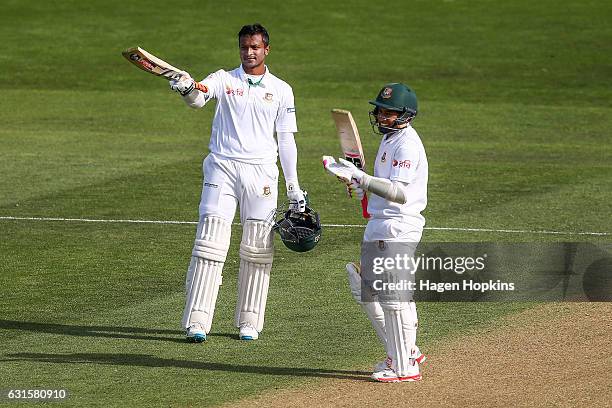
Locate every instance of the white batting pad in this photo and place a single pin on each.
(256, 255)
(401, 337)
(204, 273)
(372, 309)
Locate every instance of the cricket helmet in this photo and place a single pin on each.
(299, 231)
(396, 97)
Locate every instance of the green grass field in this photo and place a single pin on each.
(515, 116)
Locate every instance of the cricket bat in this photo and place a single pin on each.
(351, 145)
(156, 66)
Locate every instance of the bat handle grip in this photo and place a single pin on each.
(364, 207)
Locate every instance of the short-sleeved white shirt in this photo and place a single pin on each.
(401, 156)
(247, 116)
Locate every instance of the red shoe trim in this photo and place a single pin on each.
(410, 378)
(416, 377)
(421, 359)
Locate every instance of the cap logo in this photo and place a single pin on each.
(386, 93)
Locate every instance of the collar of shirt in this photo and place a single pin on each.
(244, 77)
(391, 135)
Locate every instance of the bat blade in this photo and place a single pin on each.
(151, 64)
(350, 142)
(156, 66)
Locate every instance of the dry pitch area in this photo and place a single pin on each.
(557, 354)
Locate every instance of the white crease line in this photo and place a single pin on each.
(505, 231)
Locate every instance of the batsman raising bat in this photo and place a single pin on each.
(240, 172)
(398, 195)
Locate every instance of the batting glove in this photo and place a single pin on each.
(184, 86)
(338, 170)
(356, 174)
(354, 189)
(297, 198)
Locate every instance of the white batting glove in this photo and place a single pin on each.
(338, 170)
(297, 198)
(354, 189)
(355, 172)
(184, 85)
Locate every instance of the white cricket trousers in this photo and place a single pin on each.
(227, 183)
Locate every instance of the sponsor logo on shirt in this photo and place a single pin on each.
(231, 91)
(402, 164)
(290, 110)
(384, 157)
(211, 185)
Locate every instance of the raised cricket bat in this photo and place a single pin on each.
(156, 66)
(351, 145)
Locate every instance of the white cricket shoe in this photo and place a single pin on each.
(419, 357)
(388, 375)
(248, 332)
(383, 365)
(196, 333)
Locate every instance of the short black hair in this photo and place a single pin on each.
(253, 29)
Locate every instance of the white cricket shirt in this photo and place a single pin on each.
(247, 115)
(401, 156)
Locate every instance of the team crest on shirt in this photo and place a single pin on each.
(268, 97)
(384, 157)
(386, 93)
(266, 191)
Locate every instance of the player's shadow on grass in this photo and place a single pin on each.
(144, 360)
(116, 332)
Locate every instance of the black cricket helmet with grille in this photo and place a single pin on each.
(299, 231)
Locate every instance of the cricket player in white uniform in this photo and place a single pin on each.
(398, 196)
(252, 105)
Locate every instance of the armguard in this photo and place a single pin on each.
(387, 189)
